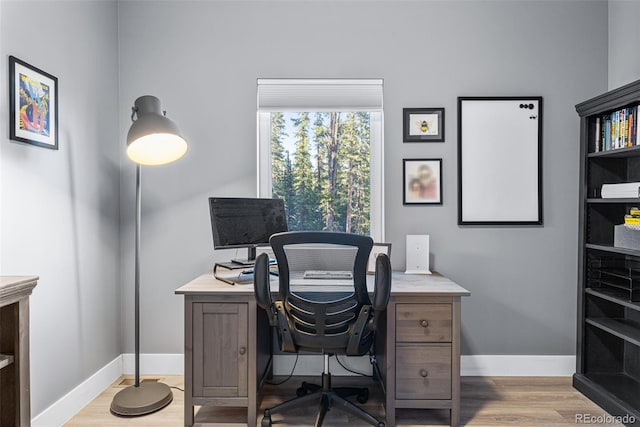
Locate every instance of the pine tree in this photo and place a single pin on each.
(278, 155)
(349, 142)
(303, 177)
(332, 143)
(327, 184)
(287, 190)
(320, 138)
(361, 210)
(353, 181)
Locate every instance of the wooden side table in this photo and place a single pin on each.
(15, 410)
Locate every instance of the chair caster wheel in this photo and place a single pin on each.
(363, 396)
(380, 424)
(266, 422)
(301, 392)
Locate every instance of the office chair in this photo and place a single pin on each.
(342, 321)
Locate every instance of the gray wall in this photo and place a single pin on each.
(59, 209)
(203, 58)
(624, 39)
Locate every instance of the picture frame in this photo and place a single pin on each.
(423, 124)
(33, 109)
(502, 135)
(422, 181)
(378, 248)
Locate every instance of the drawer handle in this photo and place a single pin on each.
(424, 323)
(423, 373)
(243, 350)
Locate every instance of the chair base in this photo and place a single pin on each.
(329, 398)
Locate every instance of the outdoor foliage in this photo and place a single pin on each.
(324, 175)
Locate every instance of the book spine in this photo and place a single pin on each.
(635, 126)
(608, 134)
(621, 128)
(632, 120)
(627, 111)
(597, 135)
(625, 124)
(614, 134)
(632, 140)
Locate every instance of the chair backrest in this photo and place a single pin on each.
(323, 304)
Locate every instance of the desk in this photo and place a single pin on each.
(417, 347)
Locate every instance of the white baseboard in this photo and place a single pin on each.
(173, 364)
(69, 404)
(154, 364)
(517, 366)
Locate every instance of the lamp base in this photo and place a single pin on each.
(144, 399)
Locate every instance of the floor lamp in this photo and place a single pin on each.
(152, 140)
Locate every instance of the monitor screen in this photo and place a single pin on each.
(244, 222)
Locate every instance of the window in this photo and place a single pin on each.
(320, 149)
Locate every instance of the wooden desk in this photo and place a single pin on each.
(15, 409)
(228, 348)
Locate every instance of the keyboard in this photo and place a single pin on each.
(250, 271)
(328, 275)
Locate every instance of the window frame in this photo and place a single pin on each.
(263, 130)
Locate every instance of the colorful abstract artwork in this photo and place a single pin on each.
(33, 105)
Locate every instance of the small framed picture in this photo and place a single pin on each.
(33, 111)
(423, 124)
(378, 248)
(422, 182)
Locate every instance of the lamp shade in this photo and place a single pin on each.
(153, 139)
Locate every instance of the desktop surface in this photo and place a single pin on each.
(401, 284)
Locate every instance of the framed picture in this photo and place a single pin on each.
(33, 110)
(422, 182)
(423, 124)
(378, 248)
(500, 160)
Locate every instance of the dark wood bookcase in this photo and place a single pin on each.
(608, 339)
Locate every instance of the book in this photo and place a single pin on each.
(598, 136)
(616, 129)
(620, 191)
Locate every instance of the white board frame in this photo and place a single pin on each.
(500, 160)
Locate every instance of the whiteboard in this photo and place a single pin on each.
(499, 160)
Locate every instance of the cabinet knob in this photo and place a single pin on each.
(423, 373)
(243, 350)
(424, 323)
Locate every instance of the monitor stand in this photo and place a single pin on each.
(251, 257)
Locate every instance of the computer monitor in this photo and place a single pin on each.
(245, 223)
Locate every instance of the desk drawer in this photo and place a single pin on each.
(423, 322)
(423, 371)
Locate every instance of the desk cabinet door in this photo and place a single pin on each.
(220, 350)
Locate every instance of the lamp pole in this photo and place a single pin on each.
(137, 275)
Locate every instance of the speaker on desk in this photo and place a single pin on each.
(417, 254)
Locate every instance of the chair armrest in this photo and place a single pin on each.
(261, 282)
(357, 332)
(382, 288)
(275, 311)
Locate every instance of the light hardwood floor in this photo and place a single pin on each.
(486, 402)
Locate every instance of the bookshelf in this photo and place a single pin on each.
(608, 339)
(15, 406)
